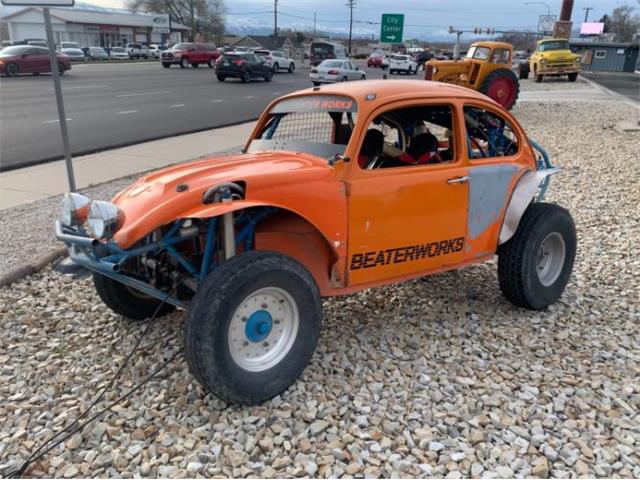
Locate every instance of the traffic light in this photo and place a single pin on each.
(477, 31)
(451, 29)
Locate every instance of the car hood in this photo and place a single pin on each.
(559, 55)
(176, 192)
(71, 51)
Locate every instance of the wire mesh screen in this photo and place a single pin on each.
(312, 127)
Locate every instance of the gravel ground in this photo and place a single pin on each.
(435, 377)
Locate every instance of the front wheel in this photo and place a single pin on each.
(246, 77)
(276, 67)
(292, 67)
(184, 63)
(221, 78)
(61, 69)
(211, 62)
(268, 76)
(128, 301)
(11, 70)
(166, 64)
(195, 65)
(534, 266)
(573, 76)
(252, 327)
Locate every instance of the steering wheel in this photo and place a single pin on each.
(477, 144)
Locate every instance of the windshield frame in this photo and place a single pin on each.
(338, 108)
(564, 45)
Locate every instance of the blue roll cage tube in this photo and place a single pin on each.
(84, 250)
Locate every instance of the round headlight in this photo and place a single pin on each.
(104, 219)
(543, 61)
(74, 209)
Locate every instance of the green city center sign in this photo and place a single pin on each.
(391, 27)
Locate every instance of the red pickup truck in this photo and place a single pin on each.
(187, 53)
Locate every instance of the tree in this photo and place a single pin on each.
(624, 23)
(203, 17)
(607, 23)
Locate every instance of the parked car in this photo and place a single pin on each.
(98, 53)
(188, 53)
(155, 50)
(277, 60)
(38, 43)
(137, 50)
(331, 71)
(118, 53)
(374, 60)
(71, 50)
(422, 57)
(19, 59)
(320, 204)
(243, 65)
(402, 63)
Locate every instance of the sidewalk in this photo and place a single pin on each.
(21, 186)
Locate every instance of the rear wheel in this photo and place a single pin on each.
(523, 71)
(316, 84)
(211, 62)
(166, 64)
(573, 76)
(344, 79)
(276, 67)
(61, 69)
(184, 63)
(127, 301)
(292, 67)
(195, 65)
(11, 70)
(502, 86)
(221, 78)
(252, 327)
(534, 266)
(246, 77)
(268, 76)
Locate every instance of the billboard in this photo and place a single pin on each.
(161, 23)
(592, 28)
(39, 3)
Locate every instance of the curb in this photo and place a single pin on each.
(41, 262)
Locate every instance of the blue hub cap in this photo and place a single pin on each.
(258, 326)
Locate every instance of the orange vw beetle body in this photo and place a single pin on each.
(338, 189)
(353, 228)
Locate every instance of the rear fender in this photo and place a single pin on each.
(523, 194)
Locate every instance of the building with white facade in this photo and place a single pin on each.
(89, 26)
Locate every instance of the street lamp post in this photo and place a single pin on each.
(540, 3)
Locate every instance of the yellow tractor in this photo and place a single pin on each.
(487, 68)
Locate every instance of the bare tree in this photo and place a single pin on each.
(204, 17)
(624, 23)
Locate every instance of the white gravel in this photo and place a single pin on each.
(436, 377)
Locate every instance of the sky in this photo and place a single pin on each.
(422, 17)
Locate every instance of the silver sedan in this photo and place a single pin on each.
(331, 71)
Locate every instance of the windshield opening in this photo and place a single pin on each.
(559, 45)
(479, 53)
(331, 63)
(317, 124)
(181, 46)
(14, 50)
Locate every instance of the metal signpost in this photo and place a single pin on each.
(391, 27)
(45, 4)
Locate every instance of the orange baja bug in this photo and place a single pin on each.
(340, 188)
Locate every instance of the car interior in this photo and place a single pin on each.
(409, 136)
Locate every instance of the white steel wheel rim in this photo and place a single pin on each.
(252, 347)
(550, 259)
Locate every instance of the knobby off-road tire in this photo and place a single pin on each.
(127, 301)
(534, 266)
(225, 344)
(503, 86)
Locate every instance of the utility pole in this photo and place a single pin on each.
(314, 25)
(351, 4)
(275, 18)
(586, 13)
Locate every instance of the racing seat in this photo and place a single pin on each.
(424, 149)
(371, 148)
(343, 134)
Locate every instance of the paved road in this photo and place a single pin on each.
(110, 105)
(627, 84)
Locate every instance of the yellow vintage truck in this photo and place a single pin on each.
(552, 57)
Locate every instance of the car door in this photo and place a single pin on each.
(407, 219)
(350, 71)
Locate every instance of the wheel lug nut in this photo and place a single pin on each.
(245, 343)
(244, 319)
(264, 305)
(265, 344)
(276, 321)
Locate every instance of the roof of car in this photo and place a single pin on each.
(492, 44)
(392, 89)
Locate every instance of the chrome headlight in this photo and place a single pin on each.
(74, 209)
(104, 219)
(543, 61)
